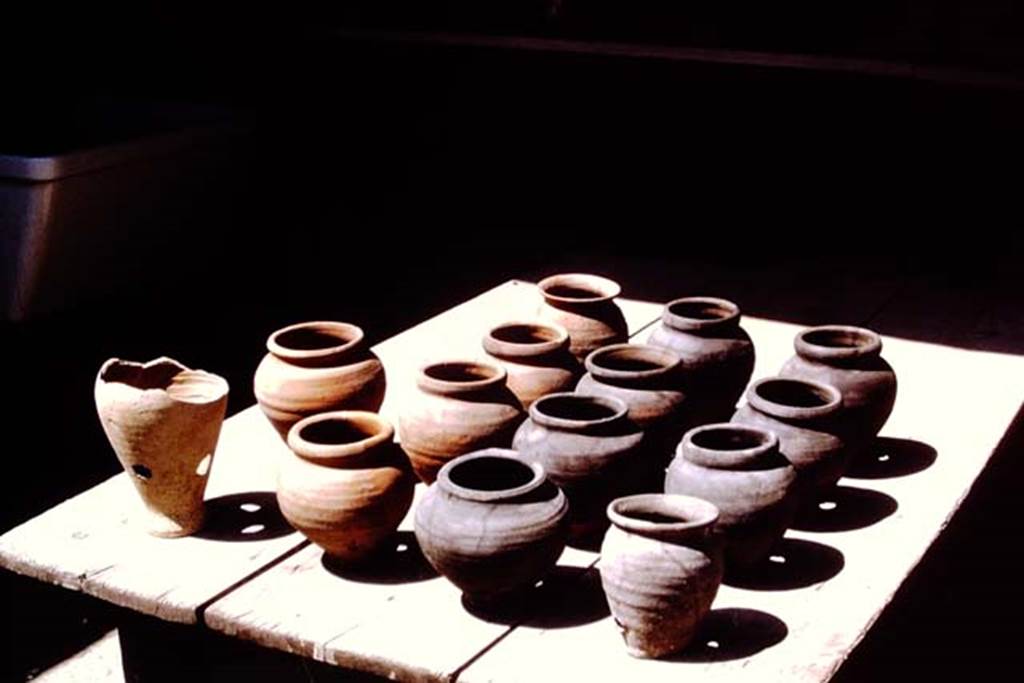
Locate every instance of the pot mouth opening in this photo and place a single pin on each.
(490, 474)
(630, 360)
(729, 438)
(838, 342)
(462, 372)
(794, 393)
(704, 309)
(657, 512)
(579, 288)
(338, 434)
(568, 409)
(526, 333)
(168, 375)
(313, 339)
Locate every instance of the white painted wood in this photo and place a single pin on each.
(956, 401)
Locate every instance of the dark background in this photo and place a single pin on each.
(381, 181)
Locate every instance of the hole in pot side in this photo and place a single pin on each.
(305, 339)
(700, 310)
(793, 393)
(460, 372)
(338, 432)
(837, 339)
(524, 334)
(491, 474)
(626, 360)
(574, 408)
(728, 439)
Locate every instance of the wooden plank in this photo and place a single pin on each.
(837, 572)
(382, 621)
(90, 543)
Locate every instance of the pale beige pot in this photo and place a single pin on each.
(315, 367)
(345, 485)
(163, 421)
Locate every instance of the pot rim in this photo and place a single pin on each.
(215, 387)
(509, 349)
(666, 359)
(497, 376)
(604, 289)
(349, 336)
(832, 396)
(683, 322)
(694, 513)
(869, 343)
(444, 480)
(324, 452)
(687, 449)
(620, 407)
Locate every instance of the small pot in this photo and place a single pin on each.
(459, 407)
(805, 417)
(741, 471)
(717, 355)
(848, 358)
(585, 306)
(345, 485)
(536, 357)
(650, 381)
(316, 367)
(163, 421)
(661, 566)
(492, 523)
(588, 447)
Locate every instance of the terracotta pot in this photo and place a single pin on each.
(741, 471)
(535, 356)
(459, 407)
(650, 381)
(315, 367)
(661, 566)
(717, 354)
(848, 358)
(585, 306)
(588, 447)
(804, 415)
(492, 523)
(345, 485)
(163, 421)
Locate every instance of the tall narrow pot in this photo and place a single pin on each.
(163, 421)
(661, 566)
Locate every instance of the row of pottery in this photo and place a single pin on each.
(347, 485)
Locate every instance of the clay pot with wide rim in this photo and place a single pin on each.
(717, 355)
(535, 356)
(315, 367)
(492, 523)
(661, 567)
(805, 417)
(649, 380)
(163, 421)
(741, 471)
(849, 358)
(588, 447)
(585, 306)
(459, 407)
(345, 485)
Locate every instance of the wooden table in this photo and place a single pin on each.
(249, 575)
